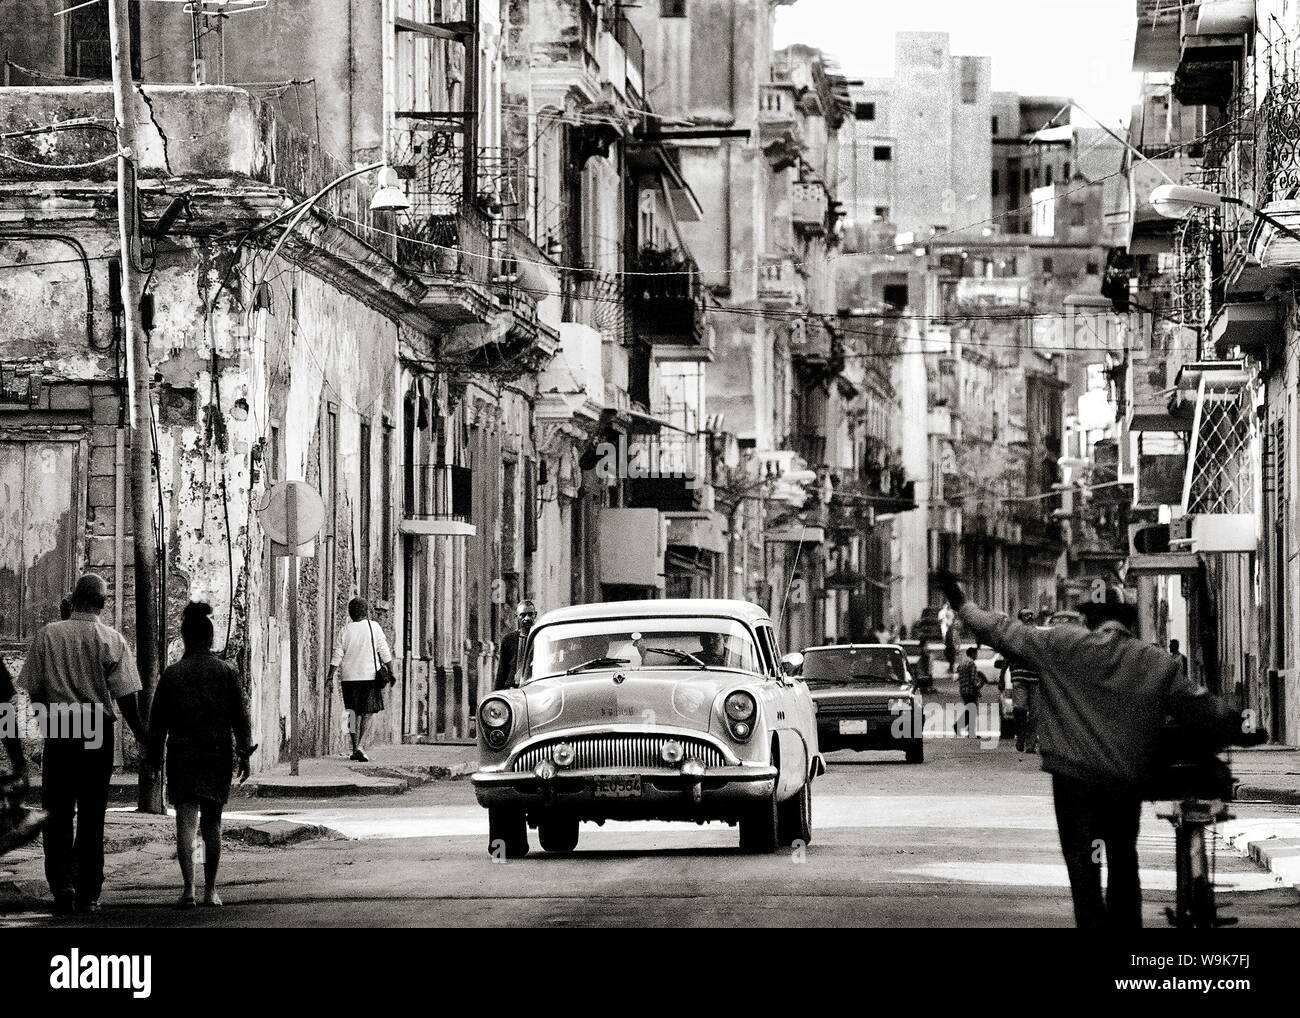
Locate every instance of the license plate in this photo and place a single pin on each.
(620, 786)
(853, 728)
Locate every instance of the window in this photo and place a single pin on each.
(39, 539)
(87, 53)
(672, 8)
(995, 184)
(864, 111)
(1093, 269)
(1048, 266)
(1026, 187)
(995, 125)
(882, 212)
(1065, 170)
(273, 561)
(1048, 178)
(882, 153)
(896, 295)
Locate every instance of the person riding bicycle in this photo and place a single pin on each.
(1104, 696)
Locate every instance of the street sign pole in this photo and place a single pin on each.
(291, 525)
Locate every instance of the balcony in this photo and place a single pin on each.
(453, 240)
(1219, 490)
(437, 500)
(665, 302)
(809, 207)
(1215, 40)
(1277, 149)
(668, 471)
(779, 283)
(626, 35)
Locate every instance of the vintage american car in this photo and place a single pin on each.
(866, 697)
(649, 710)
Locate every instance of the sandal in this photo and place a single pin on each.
(186, 900)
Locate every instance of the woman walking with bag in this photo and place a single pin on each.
(199, 714)
(362, 662)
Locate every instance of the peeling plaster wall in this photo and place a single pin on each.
(338, 349)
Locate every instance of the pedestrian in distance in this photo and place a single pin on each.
(361, 654)
(201, 720)
(1024, 689)
(65, 608)
(969, 682)
(1182, 658)
(512, 645)
(80, 666)
(1105, 696)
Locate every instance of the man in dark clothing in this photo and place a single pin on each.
(1105, 696)
(969, 682)
(512, 644)
(1182, 658)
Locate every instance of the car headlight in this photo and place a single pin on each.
(740, 707)
(741, 710)
(495, 713)
(494, 718)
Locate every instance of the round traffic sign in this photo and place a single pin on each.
(294, 513)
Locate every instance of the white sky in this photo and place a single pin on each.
(1079, 48)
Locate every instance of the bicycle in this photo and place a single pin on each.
(1198, 794)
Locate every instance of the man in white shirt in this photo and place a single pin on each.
(359, 650)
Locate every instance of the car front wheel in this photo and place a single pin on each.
(558, 833)
(794, 817)
(507, 833)
(758, 827)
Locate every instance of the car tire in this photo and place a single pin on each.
(794, 817)
(507, 833)
(558, 833)
(758, 827)
(916, 752)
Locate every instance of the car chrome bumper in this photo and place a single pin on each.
(714, 785)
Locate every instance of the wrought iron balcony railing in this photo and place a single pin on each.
(665, 298)
(438, 491)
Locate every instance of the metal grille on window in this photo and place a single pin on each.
(1220, 472)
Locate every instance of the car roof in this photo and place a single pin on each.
(670, 606)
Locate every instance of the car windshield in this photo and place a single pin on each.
(841, 665)
(688, 644)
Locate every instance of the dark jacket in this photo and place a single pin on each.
(508, 663)
(1105, 695)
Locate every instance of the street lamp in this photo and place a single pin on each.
(1178, 201)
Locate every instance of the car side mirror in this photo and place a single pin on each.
(792, 664)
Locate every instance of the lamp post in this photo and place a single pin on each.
(1178, 201)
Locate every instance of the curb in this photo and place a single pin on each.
(1263, 793)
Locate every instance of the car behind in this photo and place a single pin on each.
(866, 698)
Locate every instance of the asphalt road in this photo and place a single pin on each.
(965, 839)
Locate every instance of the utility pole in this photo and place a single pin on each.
(137, 392)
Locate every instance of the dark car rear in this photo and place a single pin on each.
(866, 698)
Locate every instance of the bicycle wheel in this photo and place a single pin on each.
(1200, 897)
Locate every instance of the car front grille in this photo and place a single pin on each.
(593, 752)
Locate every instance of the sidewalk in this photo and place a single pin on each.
(1267, 774)
(392, 770)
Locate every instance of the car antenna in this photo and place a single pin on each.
(780, 618)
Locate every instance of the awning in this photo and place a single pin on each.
(1165, 564)
(1158, 43)
(795, 535)
(1252, 327)
(1158, 418)
(702, 531)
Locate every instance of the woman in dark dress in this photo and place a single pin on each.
(200, 715)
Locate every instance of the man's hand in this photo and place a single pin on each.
(951, 587)
(244, 769)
